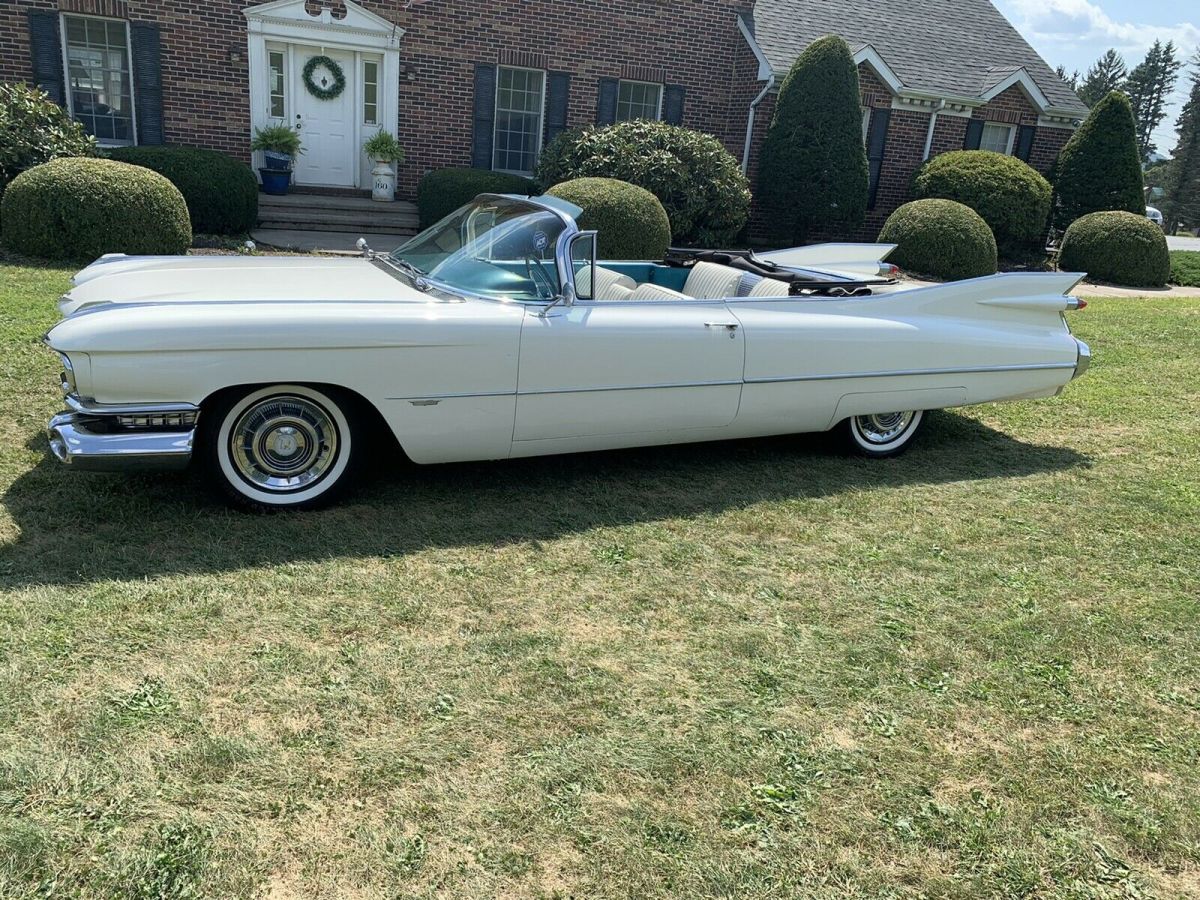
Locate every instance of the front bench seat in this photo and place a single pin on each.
(710, 281)
(607, 281)
(656, 292)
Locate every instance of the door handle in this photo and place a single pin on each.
(731, 326)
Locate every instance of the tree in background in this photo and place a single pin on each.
(1070, 80)
(814, 165)
(1106, 75)
(1099, 169)
(1182, 181)
(1148, 86)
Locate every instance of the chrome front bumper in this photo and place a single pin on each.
(74, 443)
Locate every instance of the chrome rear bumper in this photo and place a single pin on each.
(73, 443)
(1083, 359)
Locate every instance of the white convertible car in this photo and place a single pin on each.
(496, 334)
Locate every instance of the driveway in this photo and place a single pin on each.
(1183, 243)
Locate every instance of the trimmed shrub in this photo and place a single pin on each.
(941, 238)
(221, 193)
(631, 220)
(814, 171)
(445, 190)
(1100, 167)
(33, 130)
(697, 180)
(1117, 246)
(84, 208)
(1009, 194)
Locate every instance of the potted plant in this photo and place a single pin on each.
(280, 145)
(383, 149)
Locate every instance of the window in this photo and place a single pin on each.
(520, 100)
(997, 138)
(275, 60)
(99, 83)
(866, 123)
(639, 100)
(370, 93)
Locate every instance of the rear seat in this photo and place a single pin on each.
(770, 287)
(709, 281)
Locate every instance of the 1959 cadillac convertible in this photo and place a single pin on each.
(496, 334)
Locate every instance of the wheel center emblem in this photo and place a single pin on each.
(285, 443)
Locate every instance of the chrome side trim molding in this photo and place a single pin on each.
(628, 387)
(90, 407)
(970, 370)
(73, 444)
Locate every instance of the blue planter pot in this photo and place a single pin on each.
(275, 182)
(277, 162)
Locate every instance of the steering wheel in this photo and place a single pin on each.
(541, 280)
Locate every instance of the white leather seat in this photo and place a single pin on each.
(606, 280)
(656, 292)
(709, 281)
(769, 287)
(616, 292)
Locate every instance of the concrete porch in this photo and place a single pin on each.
(332, 221)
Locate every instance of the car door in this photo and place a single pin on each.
(628, 368)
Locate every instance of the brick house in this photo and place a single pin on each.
(487, 84)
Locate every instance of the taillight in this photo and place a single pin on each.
(887, 270)
(1076, 303)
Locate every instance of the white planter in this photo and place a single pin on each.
(383, 181)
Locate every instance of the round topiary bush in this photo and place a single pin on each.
(698, 181)
(631, 220)
(84, 208)
(443, 191)
(941, 238)
(221, 193)
(1009, 194)
(1121, 247)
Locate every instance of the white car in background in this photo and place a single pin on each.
(1155, 215)
(496, 333)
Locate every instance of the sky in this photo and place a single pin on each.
(1075, 33)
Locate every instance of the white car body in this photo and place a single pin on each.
(459, 377)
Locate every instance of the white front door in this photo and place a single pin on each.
(327, 127)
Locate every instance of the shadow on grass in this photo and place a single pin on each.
(80, 527)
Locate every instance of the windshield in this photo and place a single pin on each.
(496, 246)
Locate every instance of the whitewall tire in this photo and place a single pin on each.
(882, 434)
(286, 446)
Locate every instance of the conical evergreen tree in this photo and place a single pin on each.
(814, 165)
(1183, 187)
(1100, 168)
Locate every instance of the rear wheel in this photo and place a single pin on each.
(882, 434)
(286, 446)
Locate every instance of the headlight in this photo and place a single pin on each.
(68, 374)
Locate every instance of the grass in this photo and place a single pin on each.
(745, 670)
(1185, 268)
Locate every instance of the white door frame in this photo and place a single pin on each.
(360, 32)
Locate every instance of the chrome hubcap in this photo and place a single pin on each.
(284, 444)
(883, 428)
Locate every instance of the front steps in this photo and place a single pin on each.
(303, 221)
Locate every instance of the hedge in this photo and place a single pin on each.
(698, 181)
(1117, 246)
(84, 208)
(221, 193)
(1010, 195)
(1100, 168)
(631, 220)
(941, 238)
(443, 191)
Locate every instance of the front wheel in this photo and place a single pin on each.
(281, 447)
(882, 434)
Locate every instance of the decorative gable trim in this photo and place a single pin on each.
(359, 27)
(1022, 79)
(869, 55)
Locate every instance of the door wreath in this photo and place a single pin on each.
(323, 91)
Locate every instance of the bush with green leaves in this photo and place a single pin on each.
(1010, 195)
(33, 130)
(1100, 168)
(632, 222)
(697, 180)
(941, 238)
(813, 173)
(83, 208)
(1117, 246)
(443, 191)
(221, 193)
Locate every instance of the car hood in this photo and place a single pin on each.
(157, 280)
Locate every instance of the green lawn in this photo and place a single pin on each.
(744, 670)
(1185, 268)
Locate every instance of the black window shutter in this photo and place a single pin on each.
(559, 91)
(673, 99)
(876, 142)
(46, 48)
(1025, 136)
(606, 101)
(974, 134)
(146, 40)
(485, 115)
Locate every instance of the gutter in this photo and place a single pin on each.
(754, 104)
(932, 124)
